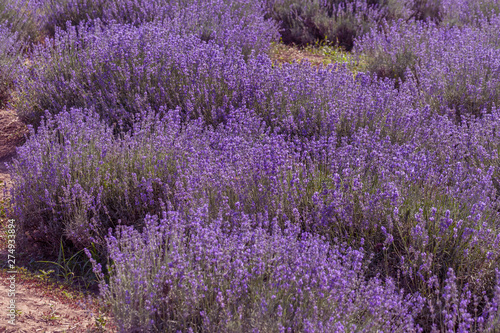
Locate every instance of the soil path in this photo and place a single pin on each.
(11, 135)
(40, 307)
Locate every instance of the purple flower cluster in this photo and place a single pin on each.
(245, 274)
(121, 69)
(16, 28)
(10, 49)
(455, 69)
(22, 17)
(240, 23)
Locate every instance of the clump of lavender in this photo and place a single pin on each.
(94, 179)
(340, 22)
(11, 48)
(453, 68)
(463, 13)
(120, 70)
(466, 82)
(394, 49)
(63, 195)
(240, 23)
(453, 12)
(21, 17)
(57, 13)
(427, 10)
(193, 273)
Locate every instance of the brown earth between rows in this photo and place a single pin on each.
(12, 132)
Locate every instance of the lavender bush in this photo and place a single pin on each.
(17, 27)
(305, 22)
(194, 274)
(453, 68)
(427, 10)
(11, 48)
(240, 23)
(159, 162)
(395, 48)
(21, 17)
(121, 69)
(56, 13)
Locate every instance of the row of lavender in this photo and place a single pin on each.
(300, 22)
(397, 201)
(291, 198)
(249, 24)
(24, 23)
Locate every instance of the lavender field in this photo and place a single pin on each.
(212, 188)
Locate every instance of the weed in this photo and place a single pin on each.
(44, 275)
(67, 268)
(51, 315)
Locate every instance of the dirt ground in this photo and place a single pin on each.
(12, 133)
(40, 306)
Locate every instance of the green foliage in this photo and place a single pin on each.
(44, 275)
(68, 269)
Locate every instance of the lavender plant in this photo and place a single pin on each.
(453, 68)
(473, 86)
(191, 273)
(240, 23)
(305, 22)
(20, 17)
(122, 69)
(395, 48)
(56, 13)
(10, 55)
(17, 26)
(160, 161)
